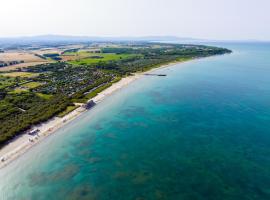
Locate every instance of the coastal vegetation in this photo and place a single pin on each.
(34, 94)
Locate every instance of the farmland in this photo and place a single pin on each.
(85, 58)
(31, 85)
(26, 57)
(19, 74)
(12, 60)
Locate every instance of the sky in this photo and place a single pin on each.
(204, 19)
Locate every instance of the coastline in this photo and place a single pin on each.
(20, 145)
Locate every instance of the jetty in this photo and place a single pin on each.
(147, 74)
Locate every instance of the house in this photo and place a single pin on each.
(33, 132)
(90, 104)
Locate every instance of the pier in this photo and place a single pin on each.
(155, 74)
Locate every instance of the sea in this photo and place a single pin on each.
(200, 133)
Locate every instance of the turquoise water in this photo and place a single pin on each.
(202, 132)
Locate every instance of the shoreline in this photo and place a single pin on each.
(21, 144)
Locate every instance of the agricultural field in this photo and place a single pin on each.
(48, 51)
(85, 58)
(22, 58)
(31, 85)
(20, 74)
(21, 66)
(58, 50)
(26, 57)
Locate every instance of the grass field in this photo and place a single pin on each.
(85, 57)
(31, 85)
(18, 90)
(25, 87)
(45, 96)
(6, 81)
(20, 74)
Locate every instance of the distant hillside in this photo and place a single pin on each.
(56, 40)
(63, 38)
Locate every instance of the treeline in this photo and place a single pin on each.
(49, 67)
(70, 51)
(40, 56)
(148, 58)
(21, 111)
(54, 56)
(120, 50)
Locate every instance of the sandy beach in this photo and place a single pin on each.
(24, 142)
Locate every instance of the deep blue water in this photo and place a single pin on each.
(200, 133)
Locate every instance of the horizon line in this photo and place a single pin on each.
(135, 37)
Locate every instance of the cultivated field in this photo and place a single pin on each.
(87, 57)
(20, 74)
(28, 58)
(31, 85)
(58, 50)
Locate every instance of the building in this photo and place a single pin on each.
(33, 132)
(90, 104)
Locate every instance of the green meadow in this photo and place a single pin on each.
(85, 58)
(20, 74)
(31, 85)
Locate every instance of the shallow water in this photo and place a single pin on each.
(201, 132)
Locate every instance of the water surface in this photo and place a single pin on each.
(202, 132)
